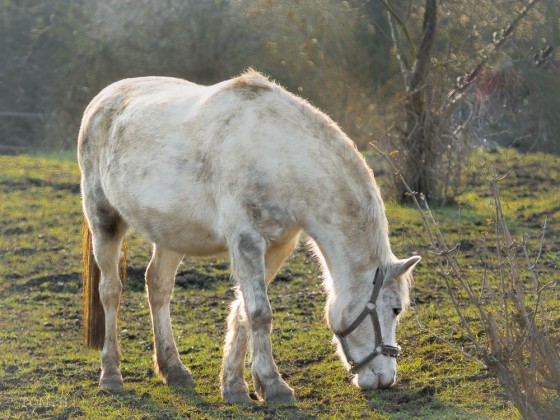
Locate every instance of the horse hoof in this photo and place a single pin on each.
(111, 384)
(279, 393)
(236, 392)
(237, 398)
(281, 398)
(181, 378)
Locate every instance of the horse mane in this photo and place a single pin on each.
(254, 80)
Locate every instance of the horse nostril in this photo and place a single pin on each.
(397, 311)
(385, 385)
(386, 380)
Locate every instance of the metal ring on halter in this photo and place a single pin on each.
(371, 310)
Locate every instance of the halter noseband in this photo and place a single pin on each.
(371, 310)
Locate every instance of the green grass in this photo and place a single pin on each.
(61, 155)
(46, 372)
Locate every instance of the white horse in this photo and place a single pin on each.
(241, 166)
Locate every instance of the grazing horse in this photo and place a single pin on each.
(242, 166)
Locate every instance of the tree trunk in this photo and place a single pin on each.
(416, 141)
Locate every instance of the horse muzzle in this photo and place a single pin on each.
(367, 378)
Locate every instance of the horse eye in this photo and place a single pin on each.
(397, 311)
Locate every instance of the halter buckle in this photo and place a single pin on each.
(391, 351)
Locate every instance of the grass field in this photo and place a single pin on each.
(46, 372)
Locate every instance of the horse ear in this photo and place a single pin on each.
(404, 266)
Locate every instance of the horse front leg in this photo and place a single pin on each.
(160, 278)
(248, 264)
(234, 387)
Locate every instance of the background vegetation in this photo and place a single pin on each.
(339, 54)
(435, 94)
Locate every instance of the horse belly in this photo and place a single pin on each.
(185, 235)
(167, 208)
(177, 231)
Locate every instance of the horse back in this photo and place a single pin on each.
(172, 156)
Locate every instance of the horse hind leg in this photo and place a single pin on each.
(234, 387)
(232, 377)
(160, 278)
(108, 230)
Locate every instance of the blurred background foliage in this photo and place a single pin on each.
(57, 54)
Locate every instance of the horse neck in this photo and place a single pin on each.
(354, 245)
(345, 216)
(348, 273)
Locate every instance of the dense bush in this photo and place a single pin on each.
(338, 54)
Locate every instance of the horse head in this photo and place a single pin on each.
(365, 327)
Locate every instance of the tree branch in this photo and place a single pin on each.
(398, 19)
(401, 58)
(502, 36)
(428, 37)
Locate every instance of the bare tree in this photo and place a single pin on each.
(509, 104)
(415, 141)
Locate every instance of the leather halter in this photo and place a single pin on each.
(371, 310)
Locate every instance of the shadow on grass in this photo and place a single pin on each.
(200, 407)
(143, 402)
(25, 183)
(185, 279)
(252, 409)
(402, 402)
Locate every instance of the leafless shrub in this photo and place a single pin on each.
(504, 315)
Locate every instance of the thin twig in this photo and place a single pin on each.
(392, 13)
(400, 58)
(440, 244)
(495, 195)
(449, 343)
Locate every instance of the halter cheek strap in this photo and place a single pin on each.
(371, 310)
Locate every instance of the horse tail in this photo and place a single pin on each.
(93, 313)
